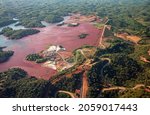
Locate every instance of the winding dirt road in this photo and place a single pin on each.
(124, 88)
(68, 93)
(117, 87)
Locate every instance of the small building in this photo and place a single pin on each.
(73, 24)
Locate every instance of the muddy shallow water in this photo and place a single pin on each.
(52, 34)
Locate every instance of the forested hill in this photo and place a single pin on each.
(131, 16)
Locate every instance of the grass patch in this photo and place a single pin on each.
(99, 25)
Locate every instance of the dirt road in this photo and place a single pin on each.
(113, 88)
(138, 86)
(124, 88)
(84, 88)
(101, 37)
(68, 93)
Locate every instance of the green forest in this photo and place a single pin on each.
(18, 34)
(5, 55)
(15, 82)
(36, 57)
(131, 16)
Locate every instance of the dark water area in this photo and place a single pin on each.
(50, 35)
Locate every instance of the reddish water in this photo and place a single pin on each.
(65, 36)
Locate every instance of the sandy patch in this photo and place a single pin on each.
(50, 64)
(78, 18)
(132, 38)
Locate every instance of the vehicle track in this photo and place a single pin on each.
(124, 88)
(68, 93)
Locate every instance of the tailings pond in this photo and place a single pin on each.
(49, 35)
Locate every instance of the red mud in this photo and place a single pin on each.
(65, 36)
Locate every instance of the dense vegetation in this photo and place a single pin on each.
(125, 15)
(95, 79)
(33, 57)
(18, 34)
(5, 55)
(124, 69)
(5, 22)
(54, 19)
(70, 84)
(121, 69)
(16, 83)
(36, 57)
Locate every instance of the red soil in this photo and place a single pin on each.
(65, 36)
(65, 54)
